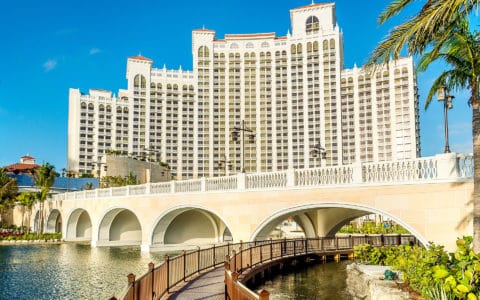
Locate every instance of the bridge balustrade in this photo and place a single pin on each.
(465, 165)
(226, 183)
(160, 188)
(238, 258)
(428, 169)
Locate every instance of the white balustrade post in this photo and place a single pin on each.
(172, 186)
(96, 192)
(127, 191)
(357, 173)
(447, 167)
(203, 184)
(290, 177)
(148, 188)
(241, 181)
(110, 192)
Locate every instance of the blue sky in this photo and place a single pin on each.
(50, 46)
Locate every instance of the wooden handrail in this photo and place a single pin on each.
(240, 257)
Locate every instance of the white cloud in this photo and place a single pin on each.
(94, 51)
(462, 147)
(49, 65)
(460, 128)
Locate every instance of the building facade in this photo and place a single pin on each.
(291, 93)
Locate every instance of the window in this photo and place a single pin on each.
(312, 25)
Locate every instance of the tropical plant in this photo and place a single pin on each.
(431, 271)
(8, 191)
(460, 51)
(440, 24)
(88, 186)
(26, 201)
(435, 21)
(117, 181)
(44, 178)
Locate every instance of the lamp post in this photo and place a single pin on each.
(224, 164)
(318, 151)
(236, 136)
(444, 95)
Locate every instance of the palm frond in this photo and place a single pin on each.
(394, 8)
(435, 22)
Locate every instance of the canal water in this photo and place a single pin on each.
(312, 282)
(75, 271)
(69, 271)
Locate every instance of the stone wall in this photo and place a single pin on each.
(113, 165)
(365, 282)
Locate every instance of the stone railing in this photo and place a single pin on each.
(442, 167)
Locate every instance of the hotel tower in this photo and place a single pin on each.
(291, 94)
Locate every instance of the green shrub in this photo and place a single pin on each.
(431, 272)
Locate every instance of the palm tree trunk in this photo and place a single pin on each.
(29, 219)
(23, 217)
(476, 174)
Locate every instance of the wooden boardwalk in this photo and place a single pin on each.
(208, 286)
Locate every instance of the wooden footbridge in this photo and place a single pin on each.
(242, 261)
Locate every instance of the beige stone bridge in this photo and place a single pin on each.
(430, 197)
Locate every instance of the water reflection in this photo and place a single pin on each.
(319, 281)
(69, 271)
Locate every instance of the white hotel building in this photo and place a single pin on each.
(291, 91)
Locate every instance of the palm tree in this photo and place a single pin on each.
(8, 191)
(435, 21)
(461, 52)
(44, 178)
(26, 201)
(440, 24)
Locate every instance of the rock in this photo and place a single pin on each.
(365, 282)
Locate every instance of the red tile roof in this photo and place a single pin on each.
(21, 168)
(250, 35)
(28, 157)
(312, 5)
(204, 30)
(139, 57)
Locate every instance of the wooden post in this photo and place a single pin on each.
(151, 266)
(250, 254)
(263, 295)
(167, 265)
(241, 254)
(271, 249)
(198, 259)
(184, 264)
(214, 260)
(131, 281)
(234, 260)
(234, 286)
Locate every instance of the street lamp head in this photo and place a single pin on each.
(235, 135)
(441, 93)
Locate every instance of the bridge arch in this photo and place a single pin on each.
(325, 219)
(119, 226)
(188, 224)
(54, 222)
(79, 226)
